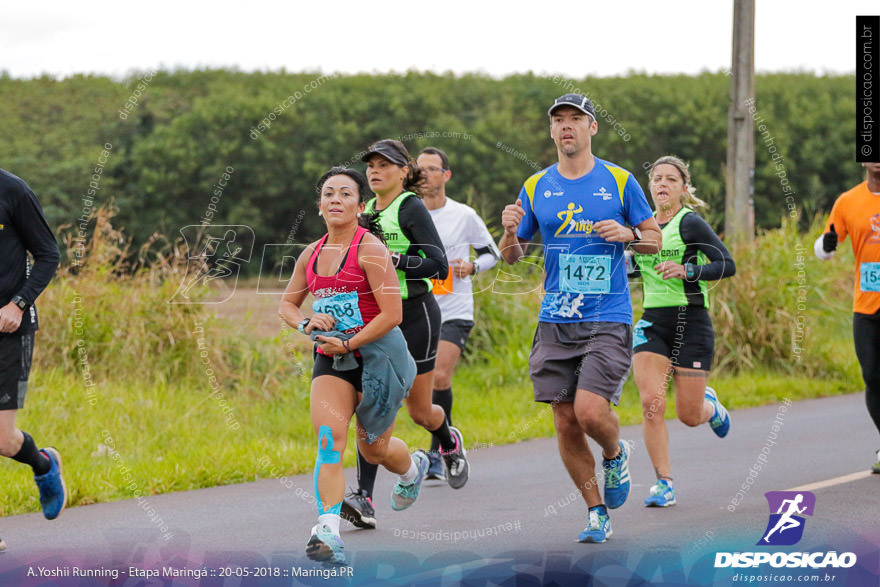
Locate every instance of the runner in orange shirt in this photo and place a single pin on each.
(857, 213)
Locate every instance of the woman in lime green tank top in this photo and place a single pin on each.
(674, 338)
(418, 255)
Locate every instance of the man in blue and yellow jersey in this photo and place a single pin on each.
(587, 211)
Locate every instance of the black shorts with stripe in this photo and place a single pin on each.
(421, 329)
(16, 354)
(684, 334)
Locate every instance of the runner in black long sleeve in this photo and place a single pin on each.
(23, 229)
(418, 254)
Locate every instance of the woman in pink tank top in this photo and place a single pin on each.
(346, 294)
(356, 290)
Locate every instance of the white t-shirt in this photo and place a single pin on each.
(460, 228)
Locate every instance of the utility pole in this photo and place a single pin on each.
(739, 217)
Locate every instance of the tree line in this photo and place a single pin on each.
(177, 148)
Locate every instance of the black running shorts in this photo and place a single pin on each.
(684, 334)
(16, 353)
(421, 329)
(324, 366)
(457, 332)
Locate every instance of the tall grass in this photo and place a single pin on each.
(778, 310)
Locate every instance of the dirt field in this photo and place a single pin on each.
(254, 312)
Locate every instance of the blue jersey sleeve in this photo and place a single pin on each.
(635, 205)
(529, 224)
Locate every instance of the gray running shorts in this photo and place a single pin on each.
(593, 356)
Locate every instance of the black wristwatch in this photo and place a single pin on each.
(20, 302)
(637, 233)
(690, 271)
(395, 259)
(302, 325)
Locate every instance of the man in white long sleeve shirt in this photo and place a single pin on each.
(460, 228)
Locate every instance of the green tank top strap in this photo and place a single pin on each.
(660, 293)
(395, 239)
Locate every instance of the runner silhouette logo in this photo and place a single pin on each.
(786, 525)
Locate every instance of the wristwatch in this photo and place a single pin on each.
(302, 325)
(637, 233)
(476, 268)
(689, 271)
(20, 302)
(395, 259)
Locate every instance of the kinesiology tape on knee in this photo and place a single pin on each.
(326, 454)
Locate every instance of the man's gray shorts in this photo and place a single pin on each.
(595, 356)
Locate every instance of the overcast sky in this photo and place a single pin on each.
(572, 39)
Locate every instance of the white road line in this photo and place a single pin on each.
(835, 481)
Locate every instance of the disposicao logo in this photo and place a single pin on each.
(785, 528)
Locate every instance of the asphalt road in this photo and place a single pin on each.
(514, 523)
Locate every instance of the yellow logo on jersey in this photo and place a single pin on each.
(571, 226)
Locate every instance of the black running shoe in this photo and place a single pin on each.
(358, 509)
(457, 467)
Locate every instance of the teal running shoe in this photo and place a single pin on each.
(53, 492)
(404, 496)
(325, 546)
(720, 420)
(662, 495)
(617, 480)
(598, 528)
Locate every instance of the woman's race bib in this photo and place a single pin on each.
(342, 306)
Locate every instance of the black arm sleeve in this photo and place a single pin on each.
(37, 238)
(699, 236)
(419, 228)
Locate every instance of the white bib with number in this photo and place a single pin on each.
(587, 274)
(342, 306)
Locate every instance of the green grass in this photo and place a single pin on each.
(176, 436)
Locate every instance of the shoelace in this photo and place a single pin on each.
(659, 489)
(594, 520)
(612, 471)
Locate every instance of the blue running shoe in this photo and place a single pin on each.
(617, 478)
(404, 496)
(720, 420)
(53, 493)
(598, 528)
(325, 546)
(435, 471)
(662, 495)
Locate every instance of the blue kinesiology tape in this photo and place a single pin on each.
(326, 454)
